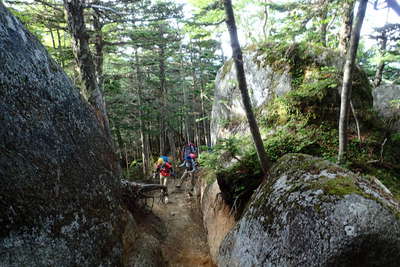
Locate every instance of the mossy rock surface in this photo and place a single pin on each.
(315, 213)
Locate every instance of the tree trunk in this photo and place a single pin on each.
(324, 24)
(266, 14)
(52, 38)
(381, 65)
(207, 140)
(143, 139)
(347, 81)
(119, 140)
(240, 75)
(60, 49)
(99, 45)
(345, 31)
(393, 4)
(185, 131)
(353, 110)
(84, 60)
(126, 161)
(172, 146)
(163, 115)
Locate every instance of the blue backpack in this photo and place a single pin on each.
(165, 158)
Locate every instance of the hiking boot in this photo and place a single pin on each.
(165, 199)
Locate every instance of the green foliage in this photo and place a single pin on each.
(239, 181)
(396, 137)
(226, 149)
(210, 160)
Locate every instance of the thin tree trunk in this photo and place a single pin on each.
(52, 38)
(345, 30)
(204, 122)
(347, 81)
(238, 59)
(197, 134)
(266, 13)
(126, 161)
(119, 138)
(99, 45)
(60, 54)
(203, 112)
(193, 124)
(147, 146)
(381, 65)
(185, 130)
(324, 26)
(163, 115)
(356, 120)
(172, 145)
(98, 64)
(143, 139)
(393, 4)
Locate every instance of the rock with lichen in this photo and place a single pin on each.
(58, 173)
(314, 213)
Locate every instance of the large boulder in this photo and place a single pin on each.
(263, 83)
(387, 104)
(314, 213)
(272, 71)
(58, 172)
(218, 219)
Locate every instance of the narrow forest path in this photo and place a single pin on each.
(185, 243)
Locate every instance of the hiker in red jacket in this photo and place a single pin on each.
(164, 168)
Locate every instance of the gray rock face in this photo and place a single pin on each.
(385, 97)
(263, 83)
(58, 205)
(314, 213)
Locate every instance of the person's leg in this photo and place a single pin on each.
(182, 179)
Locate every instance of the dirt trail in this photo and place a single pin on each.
(185, 244)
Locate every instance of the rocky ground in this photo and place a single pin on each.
(185, 242)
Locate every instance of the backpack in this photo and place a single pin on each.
(165, 158)
(189, 149)
(165, 169)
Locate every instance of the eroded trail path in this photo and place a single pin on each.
(185, 243)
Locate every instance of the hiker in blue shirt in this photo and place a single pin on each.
(190, 167)
(188, 148)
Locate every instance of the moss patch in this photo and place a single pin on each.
(339, 186)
